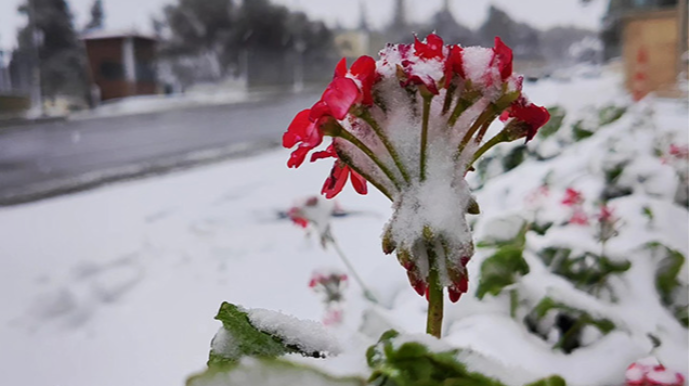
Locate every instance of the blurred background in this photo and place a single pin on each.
(142, 180)
(69, 64)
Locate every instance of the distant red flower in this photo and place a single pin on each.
(649, 372)
(605, 214)
(680, 152)
(572, 197)
(579, 217)
(295, 214)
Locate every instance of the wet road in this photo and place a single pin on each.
(54, 158)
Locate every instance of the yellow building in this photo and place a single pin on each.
(653, 43)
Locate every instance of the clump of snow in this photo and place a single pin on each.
(308, 335)
(223, 343)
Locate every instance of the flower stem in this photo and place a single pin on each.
(481, 119)
(498, 138)
(367, 294)
(425, 131)
(344, 134)
(386, 142)
(434, 319)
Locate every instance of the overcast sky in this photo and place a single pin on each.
(126, 14)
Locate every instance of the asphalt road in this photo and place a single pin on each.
(48, 159)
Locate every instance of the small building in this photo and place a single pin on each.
(651, 36)
(121, 64)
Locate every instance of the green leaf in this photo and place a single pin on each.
(240, 338)
(551, 127)
(413, 364)
(609, 114)
(579, 132)
(514, 158)
(553, 380)
(501, 270)
(269, 372)
(579, 319)
(667, 273)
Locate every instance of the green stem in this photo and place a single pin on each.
(479, 122)
(458, 110)
(498, 138)
(425, 131)
(449, 98)
(367, 294)
(434, 320)
(387, 143)
(513, 302)
(344, 134)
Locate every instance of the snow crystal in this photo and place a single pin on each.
(308, 335)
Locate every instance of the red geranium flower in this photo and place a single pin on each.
(303, 131)
(532, 115)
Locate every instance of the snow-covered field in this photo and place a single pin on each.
(119, 286)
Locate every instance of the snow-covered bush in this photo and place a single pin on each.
(579, 268)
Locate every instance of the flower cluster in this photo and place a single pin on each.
(649, 372)
(412, 124)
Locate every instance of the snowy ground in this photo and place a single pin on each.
(119, 286)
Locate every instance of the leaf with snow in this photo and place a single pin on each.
(270, 372)
(399, 361)
(501, 270)
(266, 334)
(668, 285)
(571, 321)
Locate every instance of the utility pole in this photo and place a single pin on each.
(36, 38)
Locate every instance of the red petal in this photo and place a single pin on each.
(328, 153)
(504, 55)
(319, 110)
(364, 69)
(340, 68)
(297, 156)
(358, 182)
(453, 65)
(340, 95)
(433, 48)
(453, 295)
(297, 129)
(336, 181)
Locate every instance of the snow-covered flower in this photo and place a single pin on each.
(574, 200)
(331, 283)
(608, 223)
(649, 372)
(315, 211)
(412, 124)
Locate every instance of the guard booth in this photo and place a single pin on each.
(121, 64)
(651, 36)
